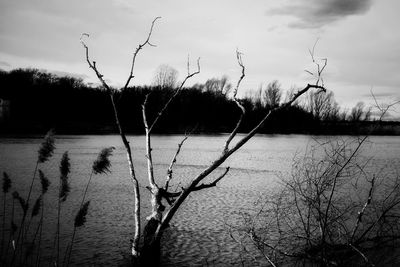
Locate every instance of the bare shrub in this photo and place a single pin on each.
(333, 209)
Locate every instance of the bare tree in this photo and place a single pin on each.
(322, 106)
(161, 216)
(218, 85)
(165, 77)
(357, 112)
(329, 211)
(272, 94)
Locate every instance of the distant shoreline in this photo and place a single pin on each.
(390, 128)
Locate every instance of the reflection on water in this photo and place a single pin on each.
(197, 235)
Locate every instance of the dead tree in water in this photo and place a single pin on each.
(160, 217)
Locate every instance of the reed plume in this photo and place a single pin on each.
(47, 147)
(36, 207)
(102, 164)
(45, 185)
(63, 191)
(64, 171)
(80, 217)
(44, 182)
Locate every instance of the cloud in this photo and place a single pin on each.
(317, 13)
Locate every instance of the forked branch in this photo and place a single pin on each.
(202, 186)
(320, 68)
(213, 183)
(241, 107)
(226, 154)
(92, 65)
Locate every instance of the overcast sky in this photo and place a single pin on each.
(360, 39)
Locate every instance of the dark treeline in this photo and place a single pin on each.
(39, 101)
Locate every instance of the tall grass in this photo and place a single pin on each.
(45, 152)
(27, 246)
(63, 190)
(101, 165)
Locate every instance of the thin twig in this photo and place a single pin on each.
(361, 213)
(173, 161)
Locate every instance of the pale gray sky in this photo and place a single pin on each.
(360, 38)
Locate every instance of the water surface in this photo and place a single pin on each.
(198, 234)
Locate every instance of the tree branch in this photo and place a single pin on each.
(362, 255)
(147, 42)
(198, 188)
(150, 169)
(173, 161)
(185, 193)
(241, 107)
(382, 109)
(361, 213)
(212, 184)
(92, 65)
(177, 91)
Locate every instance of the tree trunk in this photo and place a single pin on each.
(151, 250)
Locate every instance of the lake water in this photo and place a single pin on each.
(198, 234)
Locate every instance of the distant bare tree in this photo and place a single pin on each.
(165, 77)
(147, 251)
(322, 105)
(357, 112)
(272, 94)
(218, 85)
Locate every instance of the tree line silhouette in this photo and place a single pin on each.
(40, 100)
